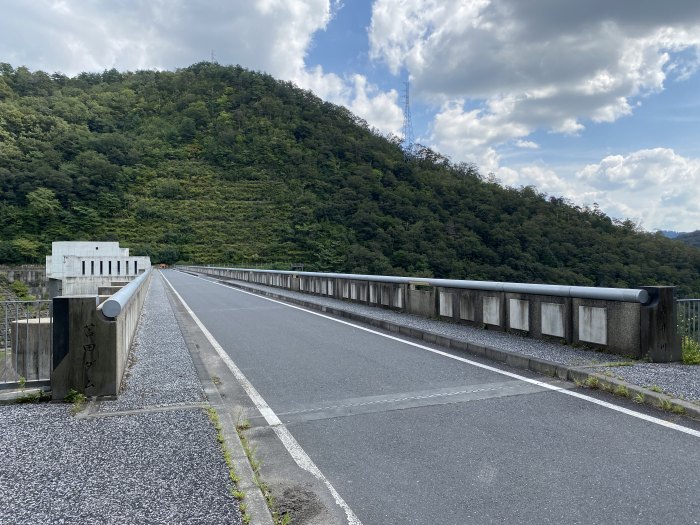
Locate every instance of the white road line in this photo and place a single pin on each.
(293, 447)
(577, 395)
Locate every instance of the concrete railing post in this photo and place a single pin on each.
(658, 334)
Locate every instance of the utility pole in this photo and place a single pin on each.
(407, 131)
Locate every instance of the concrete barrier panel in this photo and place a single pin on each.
(492, 310)
(446, 300)
(552, 316)
(468, 306)
(593, 325)
(519, 314)
(421, 302)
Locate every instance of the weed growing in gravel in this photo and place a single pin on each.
(621, 390)
(691, 351)
(34, 397)
(607, 387)
(656, 389)
(77, 399)
(277, 517)
(592, 382)
(235, 492)
(677, 409)
(665, 404)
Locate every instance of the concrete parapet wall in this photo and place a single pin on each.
(624, 325)
(90, 350)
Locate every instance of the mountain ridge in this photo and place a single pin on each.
(220, 165)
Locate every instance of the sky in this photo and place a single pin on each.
(596, 101)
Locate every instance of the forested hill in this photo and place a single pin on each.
(214, 164)
(691, 239)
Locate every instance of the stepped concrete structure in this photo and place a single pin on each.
(82, 267)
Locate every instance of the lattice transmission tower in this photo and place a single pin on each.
(407, 130)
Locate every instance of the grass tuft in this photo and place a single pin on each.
(592, 382)
(621, 390)
(691, 351)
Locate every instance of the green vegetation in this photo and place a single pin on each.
(691, 239)
(691, 351)
(220, 165)
(278, 517)
(77, 399)
(621, 390)
(238, 494)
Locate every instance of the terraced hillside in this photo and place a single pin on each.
(213, 164)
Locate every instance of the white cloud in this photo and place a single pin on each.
(541, 64)
(656, 187)
(527, 144)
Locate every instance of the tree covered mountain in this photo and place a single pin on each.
(213, 164)
(691, 238)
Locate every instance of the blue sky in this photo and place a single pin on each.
(596, 101)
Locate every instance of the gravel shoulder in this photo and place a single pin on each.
(156, 467)
(675, 379)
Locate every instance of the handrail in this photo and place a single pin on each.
(629, 295)
(113, 306)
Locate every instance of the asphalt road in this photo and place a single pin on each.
(408, 436)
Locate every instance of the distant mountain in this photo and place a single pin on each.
(691, 239)
(221, 165)
(670, 234)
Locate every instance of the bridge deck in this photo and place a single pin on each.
(405, 434)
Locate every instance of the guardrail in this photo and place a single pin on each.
(689, 318)
(634, 322)
(92, 338)
(25, 343)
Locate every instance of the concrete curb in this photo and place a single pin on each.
(254, 500)
(534, 364)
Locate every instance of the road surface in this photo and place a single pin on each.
(406, 435)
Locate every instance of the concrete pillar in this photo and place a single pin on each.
(84, 355)
(659, 339)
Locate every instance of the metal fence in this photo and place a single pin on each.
(26, 343)
(689, 318)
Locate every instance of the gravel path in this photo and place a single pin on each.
(162, 372)
(675, 379)
(151, 467)
(678, 380)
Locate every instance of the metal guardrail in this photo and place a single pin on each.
(630, 295)
(689, 318)
(26, 343)
(113, 306)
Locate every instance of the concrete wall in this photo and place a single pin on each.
(620, 327)
(33, 276)
(90, 351)
(31, 344)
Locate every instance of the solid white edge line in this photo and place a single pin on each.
(547, 386)
(290, 443)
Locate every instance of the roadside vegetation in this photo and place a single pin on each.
(691, 351)
(221, 165)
